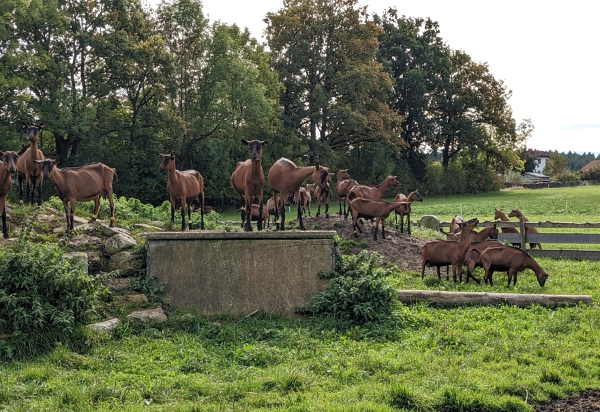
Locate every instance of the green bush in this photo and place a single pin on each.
(358, 290)
(44, 299)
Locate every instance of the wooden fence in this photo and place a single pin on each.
(524, 239)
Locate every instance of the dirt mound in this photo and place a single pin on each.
(398, 248)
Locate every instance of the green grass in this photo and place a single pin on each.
(423, 359)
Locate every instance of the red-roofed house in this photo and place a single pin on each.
(591, 165)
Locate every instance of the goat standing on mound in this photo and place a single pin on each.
(343, 186)
(406, 208)
(285, 178)
(248, 180)
(7, 168)
(323, 195)
(512, 260)
(186, 186)
(448, 252)
(372, 192)
(29, 171)
(369, 209)
(83, 183)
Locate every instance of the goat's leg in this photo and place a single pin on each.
(201, 198)
(4, 227)
(182, 214)
(300, 218)
(408, 224)
(96, 208)
(189, 211)
(248, 220)
(112, 209)
(39, 185)
(327, 210)
(260, 215)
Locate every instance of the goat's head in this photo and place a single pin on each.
(321, 176)
(255, 147)
(342, 174)
(47, 166)
(10, 158)
(32, 132)
(166, 162)
(415, 195)
(515, 213)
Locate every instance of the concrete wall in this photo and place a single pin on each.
(240, 272)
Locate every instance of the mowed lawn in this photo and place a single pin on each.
(497, 358)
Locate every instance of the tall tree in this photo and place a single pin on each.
(335, 90)
(412, 52)
(471, 110)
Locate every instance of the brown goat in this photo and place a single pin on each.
(517, 213)
(248, 180)
(499, 214)
(473, 257)
(406, 208)
(512, 260)
(343, 186)
(254, 209)
(7, 168)
(29, 172)
(368, 208)
(490, 232)
(306, 198)
(186, 186)
(285, 178)
(84, 183)
(372, 192)
(447, 252)
(456, 224)
(323, 195)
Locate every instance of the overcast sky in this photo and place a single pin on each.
(545, 52)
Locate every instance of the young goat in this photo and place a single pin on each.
(406, 209)
(447, 252)
(517, 213)
(248, 180)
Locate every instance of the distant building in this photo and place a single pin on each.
(540, 159)
(532, 177)
(591, 165)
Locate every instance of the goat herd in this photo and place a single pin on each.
(465, 247)
(186, 191)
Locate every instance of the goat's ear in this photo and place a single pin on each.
(244, 141)
(172, 156)
(317, 165)
(24, 125)
(55, 162)
(264, 142)
(41, 126)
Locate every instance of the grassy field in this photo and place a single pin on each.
(424, 359)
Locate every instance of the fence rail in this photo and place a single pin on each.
(524, 239)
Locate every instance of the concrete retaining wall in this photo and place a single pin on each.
(240, 272)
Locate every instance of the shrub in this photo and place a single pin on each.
(358, 290)
(44, 298)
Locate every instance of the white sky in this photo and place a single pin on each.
(545, 52)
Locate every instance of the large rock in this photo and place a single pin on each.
(155, 315)
(127, 262)
(118, 242)
(106, 326)
(84, 240)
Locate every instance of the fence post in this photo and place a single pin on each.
(523, 233)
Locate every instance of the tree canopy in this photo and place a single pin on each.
(118, 83)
